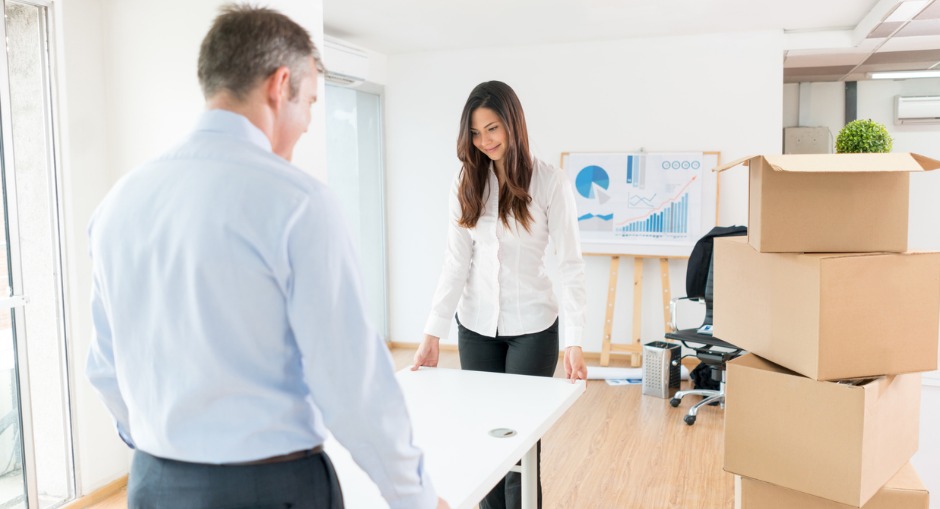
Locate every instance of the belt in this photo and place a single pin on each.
(291, 456)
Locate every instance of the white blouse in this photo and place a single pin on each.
(498, 274)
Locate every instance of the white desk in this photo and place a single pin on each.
(452, 412)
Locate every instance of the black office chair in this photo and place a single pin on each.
(713, 352)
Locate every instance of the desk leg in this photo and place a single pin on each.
(530, 487)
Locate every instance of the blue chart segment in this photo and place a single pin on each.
(634, 175)
(671, 220)
(588, 177)
(602, 217)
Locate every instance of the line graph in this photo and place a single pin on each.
(641, 201)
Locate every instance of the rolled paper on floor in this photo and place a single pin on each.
(607, 373)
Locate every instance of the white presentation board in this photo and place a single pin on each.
(643, 203)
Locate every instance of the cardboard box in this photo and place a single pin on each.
(830, 203)
(829, 316)
(904, 491)
(833, 440)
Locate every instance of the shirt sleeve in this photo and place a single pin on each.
(99, 366)
(347, 366)
(455, 271)
(563, 230)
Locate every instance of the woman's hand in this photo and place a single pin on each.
(575, 369)
(427, 353)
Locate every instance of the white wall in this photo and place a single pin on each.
(378, 68)
(100, 456)
(927, 459)
(716, 92)
(155, 95)
(128, 92)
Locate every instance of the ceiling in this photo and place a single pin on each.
(903, 38)
(825, 40)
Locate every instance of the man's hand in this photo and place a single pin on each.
(441, 504)
(428, 353)
(575, 369)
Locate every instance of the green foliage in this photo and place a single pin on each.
(863, 136)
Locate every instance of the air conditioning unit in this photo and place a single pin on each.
(917, 110)
(345, 64)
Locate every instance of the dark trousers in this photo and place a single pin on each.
(308, 483)
(533, 354)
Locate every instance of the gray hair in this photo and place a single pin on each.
(247, 44)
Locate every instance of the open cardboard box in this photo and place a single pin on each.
(829, 316)
(830, 203)
(904, 491)
(837, 441)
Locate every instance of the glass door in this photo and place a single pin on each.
(36, 459)
(13, 490)
(13, 486)
(355, 171)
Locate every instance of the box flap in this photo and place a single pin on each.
(925, 162)
(750, 360)
(842, 163)
(732, 164)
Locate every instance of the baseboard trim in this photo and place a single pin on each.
(450, 347)
(447, 347)
(99, 495)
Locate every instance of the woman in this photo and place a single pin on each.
(504, 208)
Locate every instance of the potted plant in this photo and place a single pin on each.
(863, 136)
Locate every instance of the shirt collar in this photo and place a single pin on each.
(233, 124)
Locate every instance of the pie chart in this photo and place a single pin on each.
(590, 177)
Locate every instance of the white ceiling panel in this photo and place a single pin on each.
(911, 43)
(824, 59)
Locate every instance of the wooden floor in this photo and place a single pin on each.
(617, 449)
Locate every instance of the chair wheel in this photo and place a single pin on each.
(674, 402)
(689, 419)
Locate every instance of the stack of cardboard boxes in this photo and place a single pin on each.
(838, 319)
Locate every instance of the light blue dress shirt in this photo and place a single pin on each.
(229, 315)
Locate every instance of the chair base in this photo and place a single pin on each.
(710, 396)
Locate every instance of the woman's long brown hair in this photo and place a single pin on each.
(514, 195)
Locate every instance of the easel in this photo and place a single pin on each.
(635, 347)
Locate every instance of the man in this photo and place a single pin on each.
(228, 308)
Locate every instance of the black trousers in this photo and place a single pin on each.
(308, 483)
(533, 354)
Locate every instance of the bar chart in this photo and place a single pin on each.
(672, 220)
